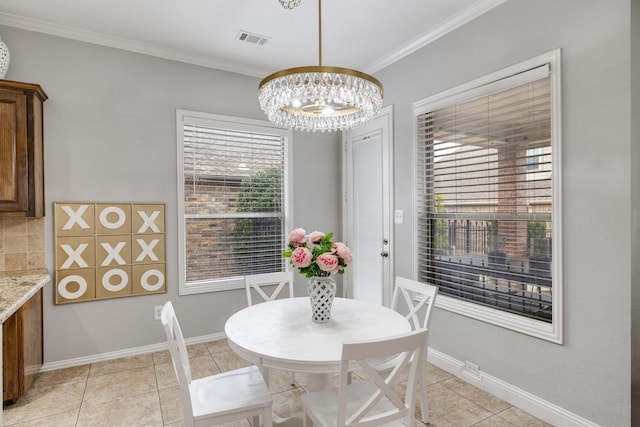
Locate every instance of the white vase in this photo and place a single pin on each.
(322, 291)
(4, 59)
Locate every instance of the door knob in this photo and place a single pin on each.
(384, 254)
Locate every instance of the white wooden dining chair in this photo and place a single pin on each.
(376, 400)
(268, 286)
(410, 298)
(261, 285)
(216, 399)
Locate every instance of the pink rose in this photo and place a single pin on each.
(343, 252)
(315, 236)
(301, 257)
(298, 236)
(328, 262)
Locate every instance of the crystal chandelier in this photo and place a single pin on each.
(320, 98)
(290, 4)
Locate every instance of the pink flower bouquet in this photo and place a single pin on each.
(316, 255)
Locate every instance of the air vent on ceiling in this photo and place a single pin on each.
(245, 36)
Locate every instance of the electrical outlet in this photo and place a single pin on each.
(157, 311)
(472, 368)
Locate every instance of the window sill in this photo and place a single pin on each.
(207, 286)
(535, 328)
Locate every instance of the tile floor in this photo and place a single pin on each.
(143, 391)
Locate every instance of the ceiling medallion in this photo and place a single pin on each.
(290, 4)
(320, 98)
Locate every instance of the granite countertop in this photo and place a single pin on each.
(17, 287)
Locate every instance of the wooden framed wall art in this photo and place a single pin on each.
(108, 250)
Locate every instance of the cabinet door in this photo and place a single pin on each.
(22, 348)
(11, 359)
(14, 179)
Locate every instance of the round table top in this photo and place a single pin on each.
(281, 334)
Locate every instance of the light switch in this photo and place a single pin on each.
(398, 216)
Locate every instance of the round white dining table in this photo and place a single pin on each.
(280, 334)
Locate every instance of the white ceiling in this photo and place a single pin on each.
(366, 35)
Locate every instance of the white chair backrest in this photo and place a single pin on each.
(258, 283)
(426, 296)
(408, 352)
(179, 355)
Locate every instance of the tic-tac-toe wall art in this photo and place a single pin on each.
(108, 250)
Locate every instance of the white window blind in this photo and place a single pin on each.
(484, 194)
(234, 202)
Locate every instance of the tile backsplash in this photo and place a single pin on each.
(21, 244)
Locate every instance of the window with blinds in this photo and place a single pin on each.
(234, 200)
(485, 197)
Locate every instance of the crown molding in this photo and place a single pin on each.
(124, 44)
(466, 15)
(478, 8)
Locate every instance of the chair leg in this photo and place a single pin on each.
(267, 419)
(424, 403)
(265, 374)
(293, 378)
(256, 421)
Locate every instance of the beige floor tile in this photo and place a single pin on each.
(203, 366)
(171, 405)
(280, 381)
(447, 408)
(229, 361)
(218, 347)
(494, 421)
(165, 376)
(113, 386)
(520, 418)
(198, 350)
(287, 403)
(60, 376)
(435, 374)
(479, 397)
(44, 402)
(161, 357)
(139, 410)
(64, 419)
(122, 364)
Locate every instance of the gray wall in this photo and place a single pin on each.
(590, 374)
(635, 212)
(110, 135)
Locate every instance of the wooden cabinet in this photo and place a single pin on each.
(21, 149)
(22, 349)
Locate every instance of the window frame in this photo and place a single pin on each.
(231, 123)
(553, 331)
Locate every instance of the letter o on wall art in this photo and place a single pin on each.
(108, 250)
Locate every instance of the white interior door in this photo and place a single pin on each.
(367, 212)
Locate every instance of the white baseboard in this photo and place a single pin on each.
(125, 353)
(539, 408)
